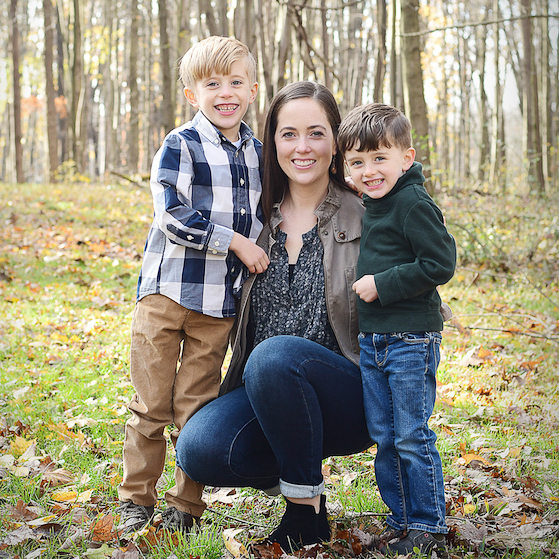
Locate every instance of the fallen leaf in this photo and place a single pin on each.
(103, 529)
(57, 477)
(235, 547)
(20, 512)
(64, 496)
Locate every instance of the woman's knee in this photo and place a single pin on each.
(268, 359)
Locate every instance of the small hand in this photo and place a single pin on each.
(250, 254)
(366, 288)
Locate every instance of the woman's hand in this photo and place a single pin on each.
(366, 288)
(250, 254)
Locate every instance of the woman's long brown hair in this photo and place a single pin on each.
(274, 180)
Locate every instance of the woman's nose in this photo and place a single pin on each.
(302, 145)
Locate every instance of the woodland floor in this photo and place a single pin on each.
(69, 261)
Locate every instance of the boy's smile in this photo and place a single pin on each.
(375, 173)
(224, 99)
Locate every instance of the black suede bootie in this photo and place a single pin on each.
(300, 525)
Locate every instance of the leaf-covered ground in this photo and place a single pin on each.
(69, 259)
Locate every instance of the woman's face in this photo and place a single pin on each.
(304, 143)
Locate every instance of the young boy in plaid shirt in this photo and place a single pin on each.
(205, 182)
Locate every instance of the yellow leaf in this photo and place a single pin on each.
(65, 496)
(235, 547)
(85, 497)
(514, 452)
(469, 509)
(470, 457)
(42, 521)
(19, 445)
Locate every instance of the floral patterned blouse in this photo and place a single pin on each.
(290, 300)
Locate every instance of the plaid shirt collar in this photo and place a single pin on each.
(210, 132)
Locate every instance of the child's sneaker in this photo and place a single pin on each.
(133, 517)
(390, 534)
(424, 542)
(177, 520)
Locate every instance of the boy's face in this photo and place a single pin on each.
(224, 99)
(375, 173)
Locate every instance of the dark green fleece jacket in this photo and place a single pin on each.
(405, 245)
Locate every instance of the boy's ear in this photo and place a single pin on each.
(409, 158)
(253, 92)
(190, 97)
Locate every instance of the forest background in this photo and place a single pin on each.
(91, 89)
(92, 85)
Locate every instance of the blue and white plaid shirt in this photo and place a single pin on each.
(204, 188)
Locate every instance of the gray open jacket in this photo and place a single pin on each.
(339, 229)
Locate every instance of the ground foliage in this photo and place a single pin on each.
(69, 260)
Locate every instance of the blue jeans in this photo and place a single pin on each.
(300, 403)
(399, 385)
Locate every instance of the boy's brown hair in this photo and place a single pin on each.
(214, 54)
(372, 126)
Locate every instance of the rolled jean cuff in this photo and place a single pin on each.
(300, 491)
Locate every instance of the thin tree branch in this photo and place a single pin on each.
(554, 339)
(322, 8)
(477, 23)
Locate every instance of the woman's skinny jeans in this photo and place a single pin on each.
(300, 403)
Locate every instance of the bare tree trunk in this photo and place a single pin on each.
(396, 93)
(205, 9)
(532, 138)
(169, 90)
(484, 143)
(414, 96)
(463, 143)
(52, 136)
(223, 20)
(62, 108)
(134, 125)
(284, 47)
(498, 148)
(78, 95)
(545, 87)
(14, 39)
(381, 52)
(325, 45)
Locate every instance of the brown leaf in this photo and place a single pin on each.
(20, 535)
(21, 512)
(57, 477)
(103, 529)
(129, 552)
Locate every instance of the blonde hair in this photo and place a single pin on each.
(214, 54)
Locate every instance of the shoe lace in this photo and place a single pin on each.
(132, 512)
(177, 519)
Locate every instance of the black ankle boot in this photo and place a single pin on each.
(300, 525)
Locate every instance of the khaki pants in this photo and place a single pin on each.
(168, 393)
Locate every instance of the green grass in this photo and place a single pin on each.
(69, 261)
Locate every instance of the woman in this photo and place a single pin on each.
(292, 394)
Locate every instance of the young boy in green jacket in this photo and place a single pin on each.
(405, 253)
